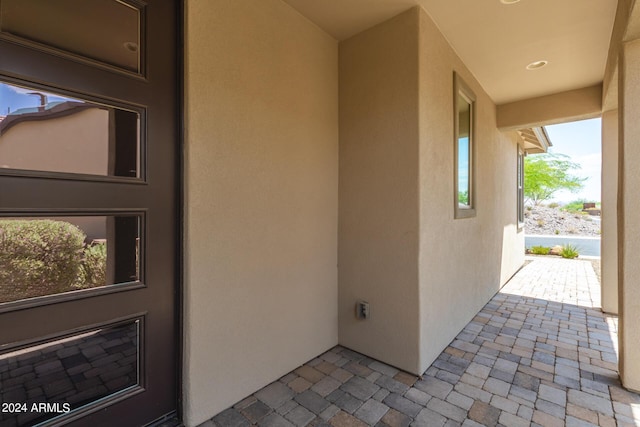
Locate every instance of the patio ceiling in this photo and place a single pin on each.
(496, 40)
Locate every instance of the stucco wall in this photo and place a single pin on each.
(463, 262)
(261, 198)
(609, 257)
(424, 273)
(378, 239)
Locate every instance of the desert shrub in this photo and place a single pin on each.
(569, 251)
(553, 205)
(556, 231)
(94, 266)
(540, 250)
(38, 257)
(540, 223)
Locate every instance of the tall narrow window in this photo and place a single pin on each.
(464, 131)
(520, 180)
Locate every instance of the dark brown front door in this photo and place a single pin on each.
(89, 212)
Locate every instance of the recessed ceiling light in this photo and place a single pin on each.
(536, 65)
(509, 1)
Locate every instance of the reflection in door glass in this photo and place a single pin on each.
(104, 30)
(43, 131)
(50, 379)
(47, 256)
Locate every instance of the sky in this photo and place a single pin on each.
(581, 141)
(15, 97)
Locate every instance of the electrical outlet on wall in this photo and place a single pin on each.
(363, 311)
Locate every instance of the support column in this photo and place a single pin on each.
(629, 215)
(609, 243)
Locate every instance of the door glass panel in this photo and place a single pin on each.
(43, 131)
(53, 378)
(103, 30)
(464, 155)
(52, 255)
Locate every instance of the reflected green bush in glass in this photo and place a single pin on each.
(45, 257)
(94, 266)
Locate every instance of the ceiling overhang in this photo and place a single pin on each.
(497, 41)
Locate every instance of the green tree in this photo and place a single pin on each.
(545, 174)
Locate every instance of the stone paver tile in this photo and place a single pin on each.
(552, 394)
(275, 394)
(547, 420)
(505, 404)
(484, 414)
(326, 386)
(460, 400)
(371, 411)
(342, 419)
(360, 388)
(300, 416)
(312, 401)
(550, 408)
(406, 378)
(373, 377)
(326, 367)
(590, 401)
(358, 369)
(330, 356)
(309, 373)
(576, 422)
(299, 385)
(496, 386)
(525, 412)
(381, 394)
(245, 402)
(274, 420)
(478, 370)
(402, 404)
(231, 418)
(623, 396)
(328, 413)
(510, 420)
(391, 384)
(605, 421)
(256, 411)
(394, 418)
(341, 375)
(434, 387)
(384, 368)
(473, 392)
(447, 409)
(582, 413)
(348, 403)
(286, 407)
(429, 418)
(418, 396)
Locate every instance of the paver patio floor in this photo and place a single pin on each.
(539, 353)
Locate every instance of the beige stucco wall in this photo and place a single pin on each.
(609, 225)
(378, 238)
(75, 143)
(261, 178)
(424, 273)
(572, 105)
(628, 208)
(462, 262)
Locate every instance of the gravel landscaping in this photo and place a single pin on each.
(554, 221)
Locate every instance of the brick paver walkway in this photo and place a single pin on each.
(539, 353)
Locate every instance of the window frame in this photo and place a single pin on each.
(520, 186)
(461, 89)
